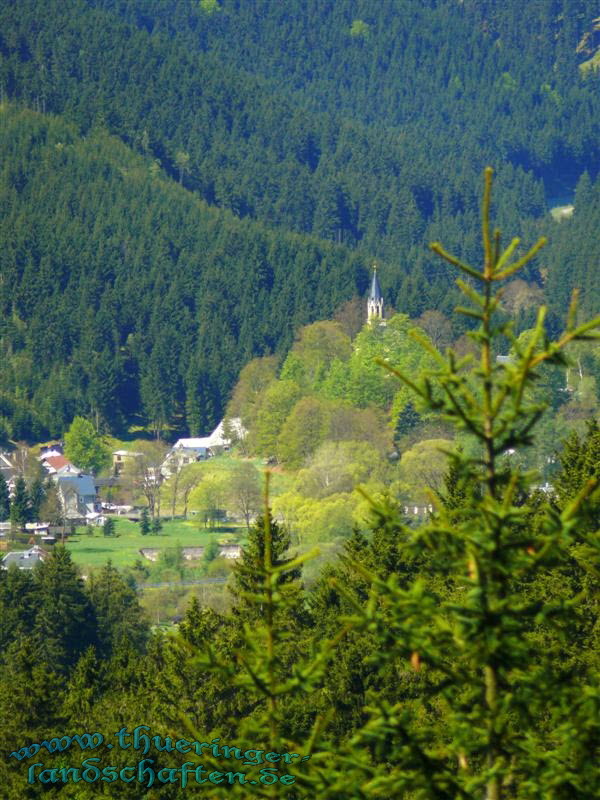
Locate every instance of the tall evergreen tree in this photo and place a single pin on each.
(20, 508)
(4, 499)
(30, 702)
(37, 495)
(580, 464)
(65, 624)
(407, 420)
(249, 571)
(117, 610)
(17, 605)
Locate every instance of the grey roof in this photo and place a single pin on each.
(83, 484)
(26, 559)
(7, 468)
(375, 287)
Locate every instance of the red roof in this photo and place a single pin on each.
(57, 462)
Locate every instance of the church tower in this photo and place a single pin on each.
(375, 301)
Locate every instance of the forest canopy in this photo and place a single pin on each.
(159, 233)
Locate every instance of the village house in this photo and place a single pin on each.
(59, 465)
(9, 471)
(121, 458)
(52, 449)
(78, 495)
(24, 559)
(7, 468)
(187, 451)
(183, 452)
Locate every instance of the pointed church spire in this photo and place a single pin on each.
(375, 301)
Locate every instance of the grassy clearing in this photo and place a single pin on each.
(90, 549)
(281, 480)
(93, 551)
(219, 467)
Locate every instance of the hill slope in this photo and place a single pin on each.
(122, 290)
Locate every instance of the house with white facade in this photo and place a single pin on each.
(188, 450)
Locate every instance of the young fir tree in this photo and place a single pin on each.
(249, 571)
(108, 528)
(145, 524)
(268, 549)
(20, 509)
(253, 666)
(408, 419)
(511, 720)
(65, 622)
(500, 714)
(156, 526)
(4, 499)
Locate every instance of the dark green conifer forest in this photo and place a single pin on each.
(192, 196)
(186, 183)
(455, 659)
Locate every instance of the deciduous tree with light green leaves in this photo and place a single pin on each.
(277, 401)
(244, 491)
(85, 447)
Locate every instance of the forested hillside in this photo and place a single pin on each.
(455, 659)
(192, 196)
(363, 125)
(123, 293)
(442, 66)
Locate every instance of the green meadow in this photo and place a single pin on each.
(90, 549)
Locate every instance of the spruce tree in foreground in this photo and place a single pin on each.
(510, 719)
(65, 623)
(506, 706)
